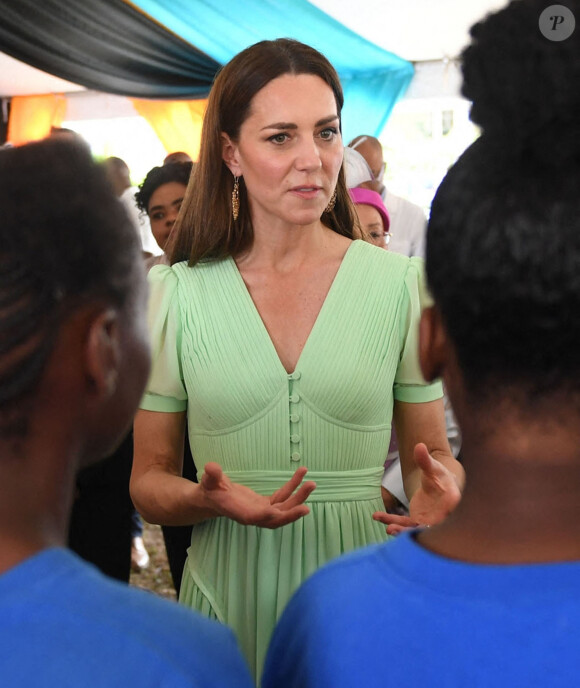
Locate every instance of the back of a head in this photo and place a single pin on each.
(177, 156)
(371, 150)
(503, 244)
(64, 240)
(118, 174)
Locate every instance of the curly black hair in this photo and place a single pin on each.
(157, 176)
(503, 242)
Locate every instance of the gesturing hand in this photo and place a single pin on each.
(247, 507)
(437, 496)
(395, 523)
(439, 492)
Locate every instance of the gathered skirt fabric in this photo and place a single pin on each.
(244, 576)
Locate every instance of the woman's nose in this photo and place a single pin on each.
(308, 155)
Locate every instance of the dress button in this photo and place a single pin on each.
(295, 456)
(296, 375)
(295, 398)
(294, 417)
(294, 439)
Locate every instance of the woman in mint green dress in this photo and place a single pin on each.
(285, 346)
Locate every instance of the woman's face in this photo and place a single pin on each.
(372, 224)
(163, 208)
(289, 151)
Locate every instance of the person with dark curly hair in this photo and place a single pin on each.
(74, 359)
(160, 196)
(270, 346)
(489, 596)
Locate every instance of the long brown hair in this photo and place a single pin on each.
(205, 228)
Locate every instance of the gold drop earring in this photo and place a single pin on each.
(236, 198)
(331, 202)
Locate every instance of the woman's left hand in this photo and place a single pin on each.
(435, 498)
(438, 493)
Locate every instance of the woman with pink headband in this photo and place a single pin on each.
(372, 215)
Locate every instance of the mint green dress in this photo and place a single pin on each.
(214, 358)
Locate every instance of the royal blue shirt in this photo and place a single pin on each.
(396, 614)
(64, 624)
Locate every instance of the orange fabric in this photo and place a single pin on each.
(31, 117)
(177, 123)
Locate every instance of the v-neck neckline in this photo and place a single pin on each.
(327, 299)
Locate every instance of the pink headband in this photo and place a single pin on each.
(372, 198)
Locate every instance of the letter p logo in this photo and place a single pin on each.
(557, 23)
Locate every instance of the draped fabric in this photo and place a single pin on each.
(31, 117)
(177, 124)
(105, 45)
(372, 78)
(155, 49)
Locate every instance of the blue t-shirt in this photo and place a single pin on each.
(396, 614)
(62, 623)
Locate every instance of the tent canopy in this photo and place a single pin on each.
(155, 49)
(416, 30)
(152, 48)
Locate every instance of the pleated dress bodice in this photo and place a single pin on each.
(214, 358)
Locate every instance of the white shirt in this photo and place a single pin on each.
(140, 222)
(408, 225)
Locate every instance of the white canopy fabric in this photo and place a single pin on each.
(19, 79)
(416, 30)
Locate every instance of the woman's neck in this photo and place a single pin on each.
(285, 249)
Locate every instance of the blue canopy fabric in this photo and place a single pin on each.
(372, 79)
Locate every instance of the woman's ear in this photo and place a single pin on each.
(433, 344)
(230, 155)
(103, 354)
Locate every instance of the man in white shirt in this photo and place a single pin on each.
(408, 222)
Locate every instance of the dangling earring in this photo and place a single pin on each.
(331, 202)
(236, 198)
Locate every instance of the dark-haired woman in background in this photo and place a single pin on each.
(489, 597)
(265, 333)
(160, 196)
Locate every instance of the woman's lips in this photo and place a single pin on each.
(307, 192)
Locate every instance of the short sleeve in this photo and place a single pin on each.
(166, 389)
(410, 385)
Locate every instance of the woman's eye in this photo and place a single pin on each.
(279, 138)
(328, 134)
(157, 216)
(376, 235)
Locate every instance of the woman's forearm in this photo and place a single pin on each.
(169, 500)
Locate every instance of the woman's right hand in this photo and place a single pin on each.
(242, 504)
